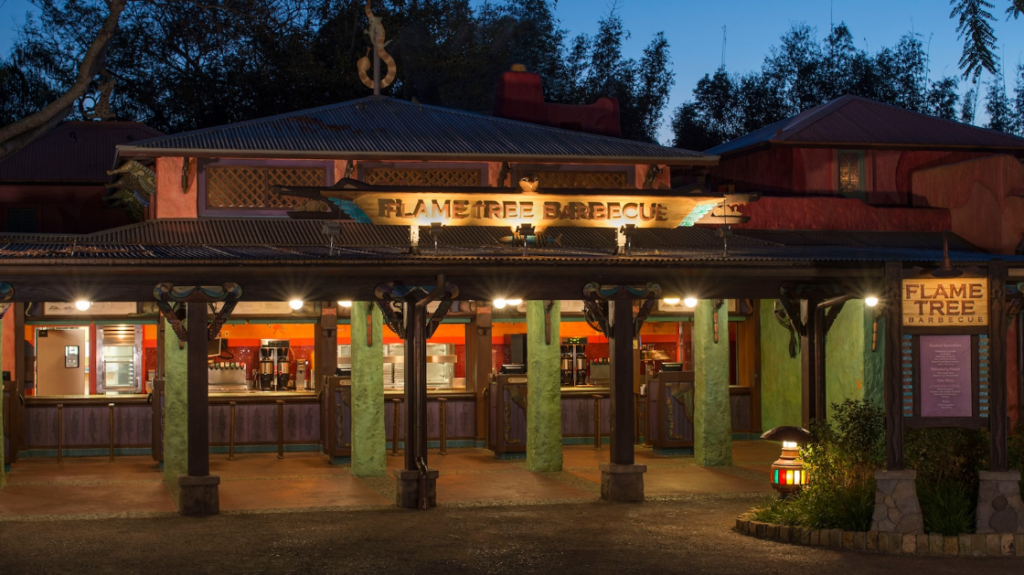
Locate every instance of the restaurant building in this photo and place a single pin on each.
(380, 274)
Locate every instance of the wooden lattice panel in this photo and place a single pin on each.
(249, 186)
(417, 177)
(589, 180)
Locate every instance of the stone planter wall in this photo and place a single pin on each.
(972, 545)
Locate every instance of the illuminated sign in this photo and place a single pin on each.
(935, 302)
(512, 209)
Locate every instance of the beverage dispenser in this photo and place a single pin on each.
(275, 367)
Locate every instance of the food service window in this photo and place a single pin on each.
(240, 187)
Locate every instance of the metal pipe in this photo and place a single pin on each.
(597, 422)
(111, 406)
(442, 407)
(60, 432)
(280, 429)
(231, 439)
(396, 411)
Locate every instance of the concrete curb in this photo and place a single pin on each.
(967, 545)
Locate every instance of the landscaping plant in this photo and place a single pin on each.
(947, 463)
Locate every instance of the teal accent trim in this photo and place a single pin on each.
(87, 322)
(289, 448)
(745, 436)
(695, 215)
(7, 468)
(677, 452)
(510, 456)
(584, 440)
(351, 210)
(88, 452)
(341, 461)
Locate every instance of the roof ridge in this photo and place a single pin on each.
(815, 114)
(869, 101)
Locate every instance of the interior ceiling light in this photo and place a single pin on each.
(345, 303)
(690, 302)
(83, 305)
(871, 301)
(295, 304)
(671, 300)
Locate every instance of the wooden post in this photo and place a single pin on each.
(157, 401)
(809, 365)
(198, 391)
(620, 350)
(159, 347)
(327, 348)
(442, 408)
(280, 429)
(396, 411)
(482, 336)
(893, 376)
(60, 432)
(231, 439)
(415, 384)
(111, 406)
(997, 363)
(17, 401)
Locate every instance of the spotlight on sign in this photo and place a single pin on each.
(83, 305)
(690, 302)
(787, 474)
(871, 301)
(671, 301)
(344, 303)
(295, 304)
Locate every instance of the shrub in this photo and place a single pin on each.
(841, 462)
(947, 463)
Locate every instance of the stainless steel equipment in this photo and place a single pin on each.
(301, 380)
(118, 350)
(574, 361)
(275, 365)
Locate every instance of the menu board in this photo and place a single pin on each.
(946, 376)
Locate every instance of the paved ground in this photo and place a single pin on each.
(300, 515)
(87, 488)
(690, 535)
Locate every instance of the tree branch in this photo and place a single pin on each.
(18, 134)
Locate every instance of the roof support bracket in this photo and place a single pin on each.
(393, 299)
(171, 300)
(597, 296)
(6, 297)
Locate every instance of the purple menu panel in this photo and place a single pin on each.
(946, 376)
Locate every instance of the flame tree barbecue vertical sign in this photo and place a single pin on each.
(943, 319)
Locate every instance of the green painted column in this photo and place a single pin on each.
(780, 373)
(852, 370)
(544, 392)
(712, 420)
(369, 444)
(175, 410)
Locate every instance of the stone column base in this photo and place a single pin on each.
(198, 496)
(622, 482)
(897, 509)
(1000, 509)
(408, 494)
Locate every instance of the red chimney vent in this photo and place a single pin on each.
(520, 97)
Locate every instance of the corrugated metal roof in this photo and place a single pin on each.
(77, 152)
(382, 127)
(302, 242)
(855, 121)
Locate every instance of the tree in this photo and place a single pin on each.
(18, 134)
(975, 28)
(997, 104)
(943, 98)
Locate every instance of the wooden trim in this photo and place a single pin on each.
(930, 422)
(997, 365)
(17, 436)
(893, 377)
(198, 391)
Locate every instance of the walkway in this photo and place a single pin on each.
(85, 488)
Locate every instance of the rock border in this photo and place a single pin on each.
(966, 545)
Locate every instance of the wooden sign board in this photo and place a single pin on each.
(100, 308)
(945, 302)
(513, 209)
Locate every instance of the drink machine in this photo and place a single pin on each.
(275, 365)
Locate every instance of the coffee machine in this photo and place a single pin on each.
(275, 365)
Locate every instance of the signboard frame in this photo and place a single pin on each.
(917, 420)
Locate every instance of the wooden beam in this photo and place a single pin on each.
(326, 345)
(620, 350)
(998, 426)
(808, 363)
(893, 376)
(198, 391)
(482, 337)
(20, 367)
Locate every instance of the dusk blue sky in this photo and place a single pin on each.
(694, 30)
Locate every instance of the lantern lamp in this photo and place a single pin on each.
(787, 474)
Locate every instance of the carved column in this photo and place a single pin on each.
(369, 444)
(712, 420)
(544, 391)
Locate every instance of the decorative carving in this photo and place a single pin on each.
(100, 109)
(508, 421)
(376, 34)
(596, 297)
(171, 300)
(653, 171)
(782, 316)
(131, 191)
(422, 177)
(390, 295)
(587, 180)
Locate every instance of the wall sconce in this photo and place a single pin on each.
(787, 474)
